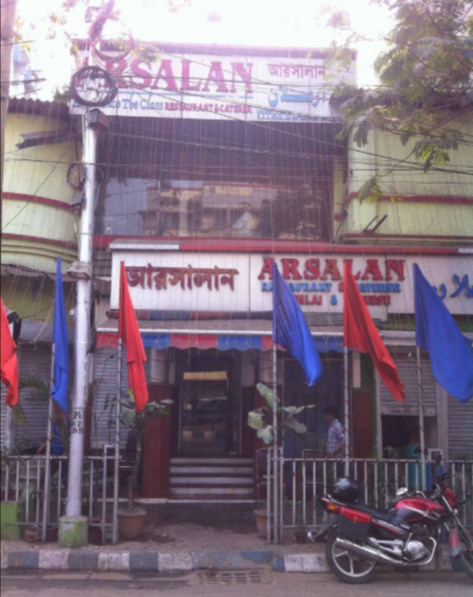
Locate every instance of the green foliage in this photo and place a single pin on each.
(425, 81)
(266, 393)
(255, 420)
(261, 419)
(40, 387)
(40, 393)
(137, 420)
(371, 191)
(19, 416)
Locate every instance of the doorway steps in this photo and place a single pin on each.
(212, 479)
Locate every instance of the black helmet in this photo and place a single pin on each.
(346, 490)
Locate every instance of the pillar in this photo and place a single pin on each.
(248, 369)
(158, 363)
(265, 367)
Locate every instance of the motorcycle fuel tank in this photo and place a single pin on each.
(419, 508)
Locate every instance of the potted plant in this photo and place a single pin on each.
(13, 512)
(131, 520)
(261, 419)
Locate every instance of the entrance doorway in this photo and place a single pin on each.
(206, 414)
(207, 463)
(209, 404)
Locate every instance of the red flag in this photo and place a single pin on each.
(8, 361)
(129, 333)
(361, 334)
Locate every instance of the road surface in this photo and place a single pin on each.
(254, 583)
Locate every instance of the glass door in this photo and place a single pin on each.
(206, 414)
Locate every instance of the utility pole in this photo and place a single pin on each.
(73, 526)
(8, 14)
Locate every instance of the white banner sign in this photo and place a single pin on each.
(237, 282)
(228, 87)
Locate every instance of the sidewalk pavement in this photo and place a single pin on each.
(180, 539)
(151, 557)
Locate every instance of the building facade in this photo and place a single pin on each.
(203, 190)
(217, 162)
(38, 226)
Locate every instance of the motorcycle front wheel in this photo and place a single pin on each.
(346, 566)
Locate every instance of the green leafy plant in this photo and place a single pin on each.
(41, 389)
(261, 419)
(136, 421)
(424, 94)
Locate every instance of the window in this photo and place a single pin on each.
(199, 209)
(206, 180)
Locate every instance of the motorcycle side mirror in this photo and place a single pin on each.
(401, 492)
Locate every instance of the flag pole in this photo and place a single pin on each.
(346, 399)
(47, 464)
(116, 470)
(275, 443)
(420, 389)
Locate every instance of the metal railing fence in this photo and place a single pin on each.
(23, 480)
(305, 480)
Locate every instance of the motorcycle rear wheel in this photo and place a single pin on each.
(348, 567)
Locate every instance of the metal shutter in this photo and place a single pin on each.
(105, 391)
(407, 368)
(34, 363)
(460, 427)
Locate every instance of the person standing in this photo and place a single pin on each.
(336, 433)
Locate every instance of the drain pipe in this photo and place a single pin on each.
(73, 527)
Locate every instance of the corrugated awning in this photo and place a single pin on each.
(218, 334)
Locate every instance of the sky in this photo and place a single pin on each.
(273, 23)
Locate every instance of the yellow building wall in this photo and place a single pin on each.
(42, 232)
(33, 298)
(406, 216)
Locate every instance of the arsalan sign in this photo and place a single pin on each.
(225, 87)
(237, 282)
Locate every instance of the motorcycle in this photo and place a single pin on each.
(406, 536)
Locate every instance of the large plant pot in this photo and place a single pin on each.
(130, 523)
(9, 520)
(262, 523)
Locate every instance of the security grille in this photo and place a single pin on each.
(460, 428)
(407, 368)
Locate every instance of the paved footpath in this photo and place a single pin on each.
(140, 557)
(183, 538)
(136, 557)
(252, 583)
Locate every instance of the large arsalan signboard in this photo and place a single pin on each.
(237, 282)
(218, 87)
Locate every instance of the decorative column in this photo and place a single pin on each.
(158, 366)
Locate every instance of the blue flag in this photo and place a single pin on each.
(61, 348)
(290, 329)
(451, 352)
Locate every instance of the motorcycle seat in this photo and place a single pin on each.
(375, 512)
